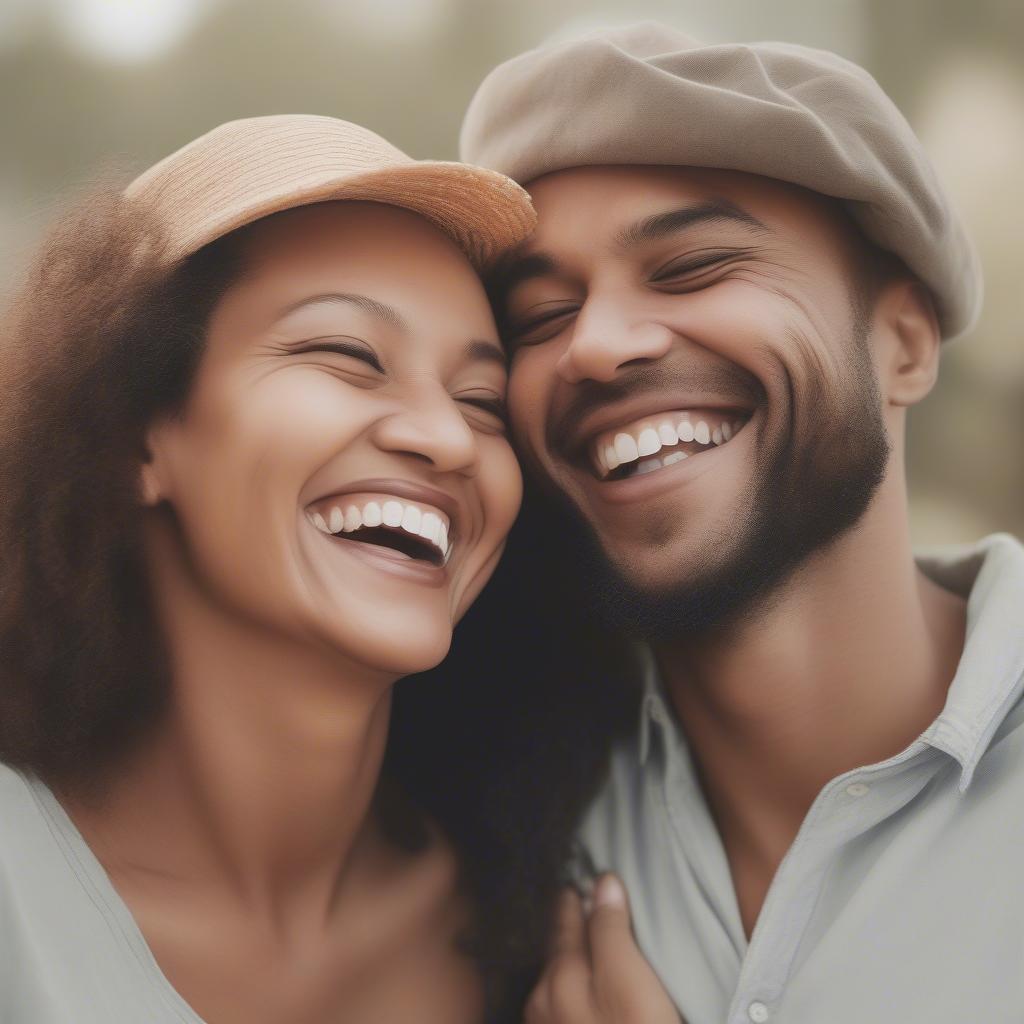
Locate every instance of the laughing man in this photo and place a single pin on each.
(742, 276)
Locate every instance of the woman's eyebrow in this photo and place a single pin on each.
(479, 350)
(380, 310)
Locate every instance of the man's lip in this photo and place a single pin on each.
(614, 414)
(651, 486)
(400, 489)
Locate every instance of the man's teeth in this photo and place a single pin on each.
(426, 523)
(638, 443)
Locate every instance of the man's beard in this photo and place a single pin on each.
(806, 492)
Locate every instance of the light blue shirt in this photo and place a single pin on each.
(70, 950)
(901, 898)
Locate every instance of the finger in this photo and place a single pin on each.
(570, 992)
(564, 993)
(609, 932)
(569, 937)
(624, 983)
(619, 968)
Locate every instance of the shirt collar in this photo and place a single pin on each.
(990, 675)
(655, 716)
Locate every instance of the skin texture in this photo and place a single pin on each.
(840, 653)
(243, 839)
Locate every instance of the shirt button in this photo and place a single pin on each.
(857, 789)
(757, 1012)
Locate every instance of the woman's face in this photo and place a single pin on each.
(340, 473)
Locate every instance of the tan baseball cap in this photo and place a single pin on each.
(648, 94)
(247, 169)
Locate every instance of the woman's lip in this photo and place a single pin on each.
(400, 489)
(386, 560)
(411, 491)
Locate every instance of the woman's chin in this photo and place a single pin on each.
(400, 651)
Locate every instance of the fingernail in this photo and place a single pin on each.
(609, 893)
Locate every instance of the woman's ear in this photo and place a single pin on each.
(908, 341)
(151, 489)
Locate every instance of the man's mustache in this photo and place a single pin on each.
(723, 380)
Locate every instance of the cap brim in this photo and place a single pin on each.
(482, 211)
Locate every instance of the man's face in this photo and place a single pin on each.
(690, 371)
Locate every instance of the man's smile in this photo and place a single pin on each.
(655, 442)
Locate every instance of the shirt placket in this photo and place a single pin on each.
(846, 808)
(696, 838)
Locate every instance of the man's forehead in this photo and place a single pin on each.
(624, 189)
(614, 205)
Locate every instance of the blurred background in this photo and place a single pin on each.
(88, 83)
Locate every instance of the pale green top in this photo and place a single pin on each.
(70, 951)
(902, 897)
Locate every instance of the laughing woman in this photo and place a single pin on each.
(253, 470)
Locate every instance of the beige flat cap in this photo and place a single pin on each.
(647, 94)
(244, 170)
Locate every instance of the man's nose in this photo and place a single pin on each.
(606, 339)
(430, 426)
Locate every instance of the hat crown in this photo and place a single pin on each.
(250, 168)
(649, 94)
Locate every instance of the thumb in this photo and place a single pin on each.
(624, 983)
(609, 930)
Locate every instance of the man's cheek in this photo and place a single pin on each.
(527, 404)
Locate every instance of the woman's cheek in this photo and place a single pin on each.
(505, 483)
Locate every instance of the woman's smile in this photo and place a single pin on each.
(416, 521)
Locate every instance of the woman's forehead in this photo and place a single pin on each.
(363, 267)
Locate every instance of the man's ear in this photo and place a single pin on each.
(908, 341)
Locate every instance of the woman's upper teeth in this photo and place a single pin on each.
(346, 514)
(645, 438)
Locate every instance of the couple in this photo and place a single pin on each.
(255, 468)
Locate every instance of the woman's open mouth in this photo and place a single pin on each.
(410, 530)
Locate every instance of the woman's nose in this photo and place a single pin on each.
(431, 426)
(604, 341)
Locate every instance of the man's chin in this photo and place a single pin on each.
(653, 575)
(653, 605)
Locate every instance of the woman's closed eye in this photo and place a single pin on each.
(484, 408)
(345, 347)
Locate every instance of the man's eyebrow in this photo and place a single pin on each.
(661, 224)
(516, 268)
(381, 311)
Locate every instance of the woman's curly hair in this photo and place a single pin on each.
(502, 744)
(99, 340)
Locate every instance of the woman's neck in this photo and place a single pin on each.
(259, 780)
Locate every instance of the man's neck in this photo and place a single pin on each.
(846, 666)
